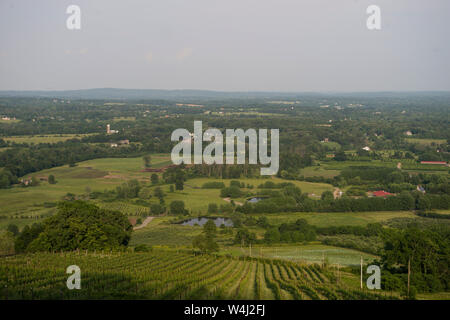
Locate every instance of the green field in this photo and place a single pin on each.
(161, 232)
(48, 138)
(9, 121)
(426, 141)
(326, 219)
(339, 165)
(318, 171)
(98, 175)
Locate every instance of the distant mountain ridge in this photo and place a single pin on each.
(126, 94)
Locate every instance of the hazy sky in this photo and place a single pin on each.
(239, 45)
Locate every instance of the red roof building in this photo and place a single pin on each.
(382, 193)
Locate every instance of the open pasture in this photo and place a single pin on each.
(426, 142)
(327, 219)
(48, 138)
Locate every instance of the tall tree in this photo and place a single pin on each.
(147, 161)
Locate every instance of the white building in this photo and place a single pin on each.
(109, 131)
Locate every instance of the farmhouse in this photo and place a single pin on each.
(366, 148)
(109, 131)
(380, 193)
(420, 188)
(25, 181)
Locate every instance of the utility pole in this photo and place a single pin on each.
(409, 272)
(339, 273)
(361, 272)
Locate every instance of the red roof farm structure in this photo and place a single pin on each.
(382, 193)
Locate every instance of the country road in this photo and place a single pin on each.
(144, 223)
(236, 202)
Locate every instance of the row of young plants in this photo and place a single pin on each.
(166, 274)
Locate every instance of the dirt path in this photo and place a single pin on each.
(144, 223)
(236, 202)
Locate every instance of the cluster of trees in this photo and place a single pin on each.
(244, 237)
(206, 242)
(299, 231)
(371, 230)
(7, 178)
(366, 178)
(17, 162)
(290, 199)
(128, 190)
(223, 171)
(157, 209)
(177, 207)
(231, 192)
(175, 175)
(433, 215)
(427, 251)
(76, 225)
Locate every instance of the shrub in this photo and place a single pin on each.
(213, 185)
(177, 207)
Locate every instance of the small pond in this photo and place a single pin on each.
(255, 199)
(201, 221)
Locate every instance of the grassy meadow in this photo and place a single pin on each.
(48, 138)
(426, 142)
